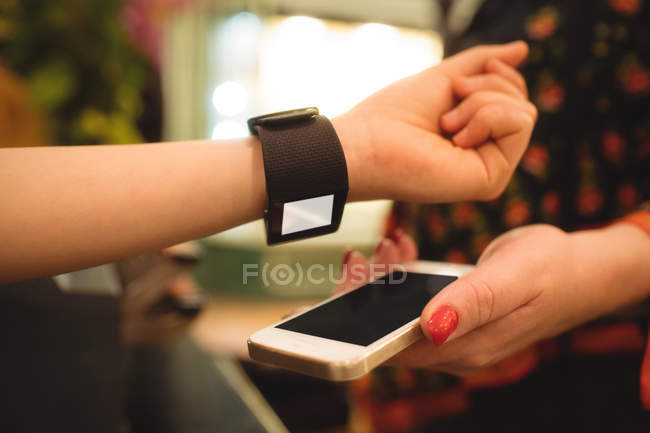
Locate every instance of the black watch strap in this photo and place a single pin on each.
(303, 158)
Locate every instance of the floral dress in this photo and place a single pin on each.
(587, 164)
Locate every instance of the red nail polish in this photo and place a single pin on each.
(442, 323)
(346, 256)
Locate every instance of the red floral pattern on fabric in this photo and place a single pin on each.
(550, 95)
(626, 7)
(588, 163)
(543, 24)
(535, 160)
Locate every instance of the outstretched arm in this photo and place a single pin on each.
(65, 208)
(68, 208)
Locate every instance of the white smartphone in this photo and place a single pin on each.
(348, 335)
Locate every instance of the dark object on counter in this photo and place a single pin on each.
(61, 361)
(304, 404)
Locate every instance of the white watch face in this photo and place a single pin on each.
(307, 214)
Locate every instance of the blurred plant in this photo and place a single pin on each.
(144, 21)
(79, 67)
(20, 124)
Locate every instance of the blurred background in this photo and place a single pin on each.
(157, 343)
(79, 72)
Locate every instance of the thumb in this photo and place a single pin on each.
(475, 299)
(473, 60)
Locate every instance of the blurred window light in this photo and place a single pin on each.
(244, 65)
(283, 62)
(230, 98)
(376, 35)
(299, 31)
(334, 65)
(237, 40)
(229, 129)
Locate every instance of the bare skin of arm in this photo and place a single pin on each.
(70, 208)
(67, 208)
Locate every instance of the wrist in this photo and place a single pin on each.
(613, 264)
(249, 190)
(353, 136)
(306, 173)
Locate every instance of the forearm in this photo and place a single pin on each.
(612, 264)
(70, 208)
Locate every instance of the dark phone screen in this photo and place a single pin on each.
(365, 315)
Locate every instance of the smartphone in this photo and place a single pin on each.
(348, 335)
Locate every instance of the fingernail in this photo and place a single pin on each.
(346, 256)
(442, 323)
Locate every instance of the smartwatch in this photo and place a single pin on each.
(306, 174)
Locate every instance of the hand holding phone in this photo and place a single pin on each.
(348, 335)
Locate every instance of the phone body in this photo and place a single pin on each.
(346, 336)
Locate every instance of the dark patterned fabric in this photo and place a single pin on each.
(589, 158)
(588, 164)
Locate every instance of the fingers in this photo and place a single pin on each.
(460, 117)
(496, 66)
(499, 127)
(474, 61)
(491, 343)
(355, 272)
(497, 122)
(477, 349)
(505, 85)
(493, 108)
(465, 86)
(408, 249)
(494, 116)
(389, 252)
(488, 293)
(386, 254)
(296, 311)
